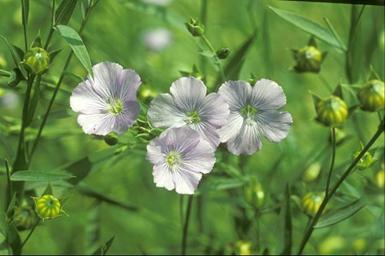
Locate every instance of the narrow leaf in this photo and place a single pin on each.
(104, 249)
(64, 11)
(77, 45)
(333, 217)
(310, 27)
(41, 176)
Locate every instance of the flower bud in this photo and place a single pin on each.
(195, 28)
(111, 139)
(308, 58)
(380, 179)
(312, 172)
(223, 53)
(332, 111)
(366, 161)
(37, 60)
(243, 248)
(24, 217)
(311, 202)
(371, 96)
(48, 207)
(254, 193)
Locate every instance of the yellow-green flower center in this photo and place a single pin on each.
(193, 117)
(116, 106)
(173, 159)
(249, 111)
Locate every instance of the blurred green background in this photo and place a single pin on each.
(118, 31)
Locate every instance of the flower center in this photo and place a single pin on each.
(173, 159)
(116, 106)
(193, 117)
(249, 111)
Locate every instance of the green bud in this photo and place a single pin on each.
(312, 172)
(366, 161)
(223, 53)
(332, 111)
(146, 93)
(37, 60)
(24, 217)
(48, 207)
(2, 92)
(254, 193)
(195, 28)
(111, 139)
(311, 202)
(372, 96)
(308, 58)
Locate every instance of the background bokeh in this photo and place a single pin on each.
(120, 31)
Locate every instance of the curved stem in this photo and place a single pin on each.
(348, 171)
(216, 59)
(333, 137)
(186, 224)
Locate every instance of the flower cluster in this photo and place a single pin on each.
(195, 122)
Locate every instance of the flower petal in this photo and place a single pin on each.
(99, 124)
(129, 82)
(163, 177)
(200, 159)
(124, 120)
(274, 125)
(154, 152)
(267, 94)
(164, 113)
(236, 94)
(105, 79)
(247, 140)
(188, 93)
(208, 132)
(231, 128)
(85, 100)
(186, 182)
(214, 110)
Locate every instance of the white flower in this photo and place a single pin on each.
(253, 114)
(157, 39)
(180, 156)
(188, 105)
(107, 101)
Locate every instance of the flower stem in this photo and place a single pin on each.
(25, 23)
(309, 230)
(216, 59)
(186, 224)
(333, 137)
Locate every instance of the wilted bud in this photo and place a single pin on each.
(312, 201)
(254, 193)
(332, 111)
(308, 58)
(312, 172)
(372, 96)
(243, 248)
(380, 179)
(223, 53)
(111, 139)
(48, 207)
(37, 60)
(366, 161)
(194, 27)
(24, 217)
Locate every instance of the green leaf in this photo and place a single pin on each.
(64, 11)
(287, 224)
(41, 176)
(77, 45)
(17, 55)
(310, 27)
(104, 249)
(336, 216)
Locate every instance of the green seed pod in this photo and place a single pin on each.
(223, 53)
(254, 193)
(380, 179)
(312, 172)
(111, 139)
(37, 60)
(311, 202)
(308, 59)
(372, 96)
(24, 217)
(195, 28)
(48, 207)
(332, 111)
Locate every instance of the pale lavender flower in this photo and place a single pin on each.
(188, 105)
(106, 102)
(157, 39)
(254, 112)
(180, 156)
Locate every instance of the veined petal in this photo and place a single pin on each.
(98, 124)
(247, 141)
(236, 94)
(214, 110)
(274, 125)
(85, 100)
(267, 95)
(105, 79)
(186, 182)
(231, 128)
(188, 93)
(164, 113)
(124, 120)
(154, 152)
(182, 140)
(163, 177)
(200, 159)
(129, 82)
(208, 132)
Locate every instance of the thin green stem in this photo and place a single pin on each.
(309, 230)
(9, 185)
(29, 234)
(333, 138)
(25, 24)
(203, 19)
(216, 59)
(5, 73)
(186, 225)
(51, 30)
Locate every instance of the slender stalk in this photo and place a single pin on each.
(186, 224)
(5, 73)
(309, 230)
(9, 185)
(333, 137)
(216, 59)
(29, 234)
(203, 19)
(25, 24)
(51, 30)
